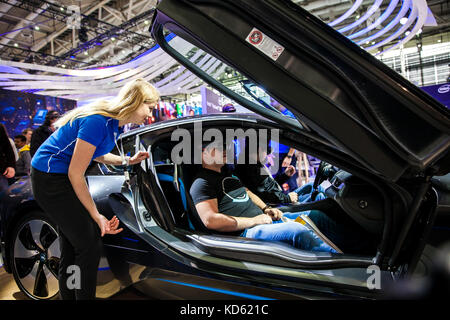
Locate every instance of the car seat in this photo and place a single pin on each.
(186, 174)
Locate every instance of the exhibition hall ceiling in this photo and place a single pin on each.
(75, 34)
(45, 38)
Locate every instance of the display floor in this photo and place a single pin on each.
(10, 291)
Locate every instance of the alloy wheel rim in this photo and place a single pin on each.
(36, 259)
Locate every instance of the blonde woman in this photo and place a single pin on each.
(59, 186)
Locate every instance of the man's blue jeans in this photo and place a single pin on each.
(293, 233)
(304, 193)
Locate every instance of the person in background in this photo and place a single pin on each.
(7, 159)
(28, 133)
(24, 162)
(264, 185)
(43, 132)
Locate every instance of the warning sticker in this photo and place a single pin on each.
(265, 44)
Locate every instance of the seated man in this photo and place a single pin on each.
(225, 205)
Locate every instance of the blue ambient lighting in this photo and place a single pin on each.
(232, 293)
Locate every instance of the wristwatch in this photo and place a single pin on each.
(266, 207)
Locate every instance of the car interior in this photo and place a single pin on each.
(346, 195)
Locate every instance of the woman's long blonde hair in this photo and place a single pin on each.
(130, 98)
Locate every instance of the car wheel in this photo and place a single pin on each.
(34, 256)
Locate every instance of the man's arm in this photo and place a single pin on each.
(256, 200)
(212, 219)
(274, 213)
(288, 159)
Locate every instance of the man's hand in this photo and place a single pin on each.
(262, 219)
(274, 213)
(290, 170)
(293, 196)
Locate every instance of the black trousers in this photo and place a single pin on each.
(79, 235)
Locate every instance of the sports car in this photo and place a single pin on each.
(325, 97)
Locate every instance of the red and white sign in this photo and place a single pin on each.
(265, 44)
(255, 37)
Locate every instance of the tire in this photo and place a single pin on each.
(34, 256)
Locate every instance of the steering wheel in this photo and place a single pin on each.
(320, 177)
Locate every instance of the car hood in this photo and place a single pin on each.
(335, 89)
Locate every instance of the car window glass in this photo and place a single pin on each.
(229, 77)
(161, 153)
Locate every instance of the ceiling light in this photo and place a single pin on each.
(146, 22)
(113, 39)
(439, 40)
(36, 28)
(63, 65)
(62, 9)
(407, 32)
(403, 20)
(16, 44)
(86, 53)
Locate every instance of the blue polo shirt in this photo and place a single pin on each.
(55, 153)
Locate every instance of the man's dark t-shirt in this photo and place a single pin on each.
(232, 198)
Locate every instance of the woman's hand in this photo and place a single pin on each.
(107, 226)
(9, 172)
(113, 224)
(138, 157)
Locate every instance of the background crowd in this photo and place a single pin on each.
(16, 154)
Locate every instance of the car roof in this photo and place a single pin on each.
(204, 117)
